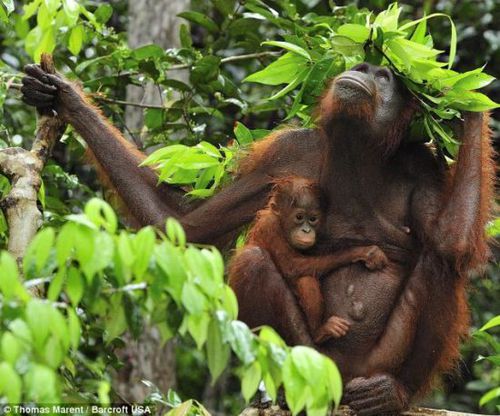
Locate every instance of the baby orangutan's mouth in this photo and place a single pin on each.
(304, 243)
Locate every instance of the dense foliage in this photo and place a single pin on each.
(251, 65)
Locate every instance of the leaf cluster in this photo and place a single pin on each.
(101, 282)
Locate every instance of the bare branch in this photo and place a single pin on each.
(346, 411)
(23, 168)
(102, 98)
(231, 59)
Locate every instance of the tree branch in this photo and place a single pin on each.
(230, 59)
(104, 99)
(346, 411)
(23, 168)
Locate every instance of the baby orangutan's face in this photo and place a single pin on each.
(301, 221)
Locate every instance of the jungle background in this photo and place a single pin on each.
(171, 72)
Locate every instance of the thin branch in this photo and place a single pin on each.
(230, 59)
(102, 98)
(14, 86)
(128, 288)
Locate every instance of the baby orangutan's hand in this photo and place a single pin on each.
(334, 327)
(375, 258)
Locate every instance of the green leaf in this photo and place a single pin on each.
(103, 13)
(200, 19)
(470, 101)
(357, 33)
(125, 249)
(38, 317)
(218, 352)
(175, 232)
(293, 84)
(116, 322)
(282, 71)
(491, 323)
(193, 299)
(148, 51)
(183, 409)
(489, 396)
(41, 384)
(39, 250)
(333, 380)
(242, 342)
(52, 5)
(3, 15)
(65, 243)
(242, 134)
(143, 243)
(229, 302)
(185, 36)
(75, 40)
(388, 19)
(21, 330)
(53, 353)
(153, 119)
(10, 383)
(10, 284)
(493, 228)
(308, 362)
(226, 7)
(296, 390)
(9, 5)
(74, 329)
(74, 286)
(420, 32)
(250, 380)
(46, 44)
(197, 325)
(11, 348)
(289, 47)
(59, 328)
(453, 33)
(101, 214)
(84, 244)
(30, 9)
(474, 81)
(205, 70)
(72, 11)
(346, 46)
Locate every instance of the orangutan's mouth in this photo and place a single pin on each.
(354, 82)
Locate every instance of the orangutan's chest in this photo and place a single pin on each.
(377, 213)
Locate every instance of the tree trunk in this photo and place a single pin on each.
(150, 21)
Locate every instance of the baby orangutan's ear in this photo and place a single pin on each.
(274, 208)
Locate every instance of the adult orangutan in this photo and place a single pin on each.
(382, 190)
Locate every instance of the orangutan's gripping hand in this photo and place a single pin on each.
(49, 92)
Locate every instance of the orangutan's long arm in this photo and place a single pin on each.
(453, 215)
(460, 225)
(148, 201)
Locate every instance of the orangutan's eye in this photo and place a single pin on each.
(383, 75)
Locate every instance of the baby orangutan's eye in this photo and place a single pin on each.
(299, 217)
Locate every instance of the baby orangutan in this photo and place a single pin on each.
(287, 229)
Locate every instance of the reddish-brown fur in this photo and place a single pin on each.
(407, 319)
(300, 270)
